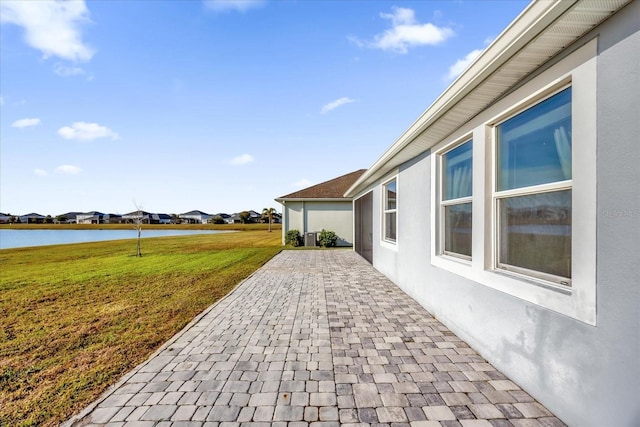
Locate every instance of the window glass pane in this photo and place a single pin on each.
(457, 229)
(390, 195)
(535, 232)
(458, 176)
(390, 226)
(534, 147)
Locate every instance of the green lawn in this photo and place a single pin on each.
(75, 318)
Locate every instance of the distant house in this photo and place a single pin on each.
(234, 218)
(224, 216)
(510, 210)
(160, 218)
(147, 217)
(4, 218)
(70, 217)
(32, 218)
(195, 217)
(93, 217)
(321, 206)
(254, 216)
(112, 219)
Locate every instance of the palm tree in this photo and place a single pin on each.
(268, 213)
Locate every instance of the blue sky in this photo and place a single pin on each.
(220, 106)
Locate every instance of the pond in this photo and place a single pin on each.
(24, 238)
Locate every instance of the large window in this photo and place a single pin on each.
(455, 203)
(534, 198)
(533, 191)
(390, 201)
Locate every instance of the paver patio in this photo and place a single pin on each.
(316, 338)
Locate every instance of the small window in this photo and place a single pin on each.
(533, 191)
(390, 210)
(455, 204)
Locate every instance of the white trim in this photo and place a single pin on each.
(383, 199)
(579, 300)
(439, 229)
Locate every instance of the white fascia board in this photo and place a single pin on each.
(335, 199)
(525, 28)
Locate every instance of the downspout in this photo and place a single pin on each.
(304, 218)
(285, 221)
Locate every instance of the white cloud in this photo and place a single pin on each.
(83, 131)
(64, 71)
(68, 169)
(462, 64)
(406, 32)
(335, 104)
(25, 123)
(40, 172)
(52, 27)
(242, 159)
(303, 183)
(233, 5)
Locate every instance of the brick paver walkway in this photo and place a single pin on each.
(316, 338)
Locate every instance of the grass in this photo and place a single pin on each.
(75, 318)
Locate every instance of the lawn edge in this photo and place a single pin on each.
(88, 409)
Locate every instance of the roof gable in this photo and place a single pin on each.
(332, 189)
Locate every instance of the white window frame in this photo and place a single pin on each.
(385, 211)
(452, 202)
(547, 279)
(578, 69)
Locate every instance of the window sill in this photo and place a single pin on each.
(566, 301)
(393, 245)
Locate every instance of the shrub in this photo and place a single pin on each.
(327, 238)
(293, 238)
(216, 219)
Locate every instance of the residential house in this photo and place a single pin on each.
(321, 206)
(112, 219)
(510, 209)
(32, 218)
(93, 217)
(255, 216)
(4, 218)
(225, 217)
(147, 217)
(70, 218)
(160, 218)
(195, 217)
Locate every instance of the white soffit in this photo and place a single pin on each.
(539, 33)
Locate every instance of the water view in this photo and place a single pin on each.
(24, 238)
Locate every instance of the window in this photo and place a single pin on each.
(533, 191)
(390, 210)
(455, 203)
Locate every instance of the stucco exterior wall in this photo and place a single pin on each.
(309, 216)
(588, 375)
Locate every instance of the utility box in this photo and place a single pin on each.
(311, 239)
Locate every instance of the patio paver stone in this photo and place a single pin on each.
(315, 338)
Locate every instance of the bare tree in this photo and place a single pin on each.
(137, 221)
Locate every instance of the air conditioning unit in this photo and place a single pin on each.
(311, 239)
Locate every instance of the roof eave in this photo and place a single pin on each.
(525, 28)
(312, 199)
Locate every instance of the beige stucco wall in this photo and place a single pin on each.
(308, 216)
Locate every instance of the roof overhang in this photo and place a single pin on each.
(335, 199)
(539, 33)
